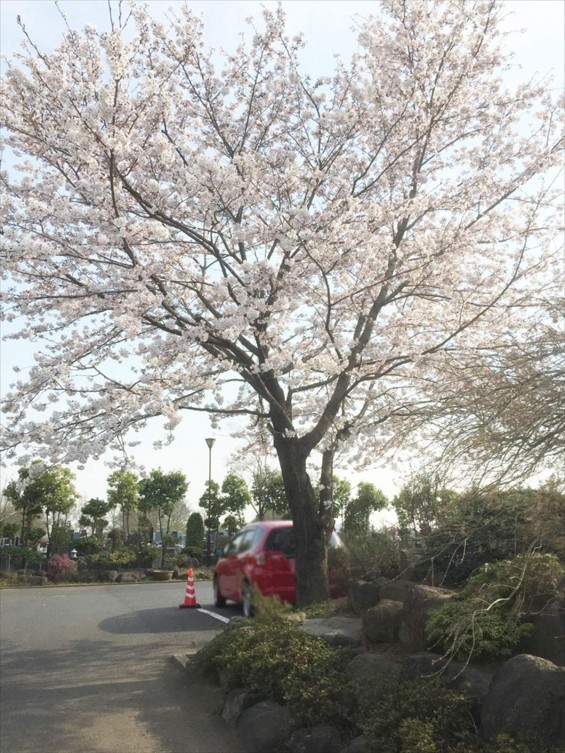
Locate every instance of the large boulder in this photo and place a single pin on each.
(473, 682)
(336, 631)
(358, 745)
(373, 670)
(419, 603)
(107, 576)
(363, 595)
(526, 697)
(237, 701)
(382, 622)
(548, 635)
(320, 739)
(264, 726)
(396, 590)
(128, 576)
(38, 580)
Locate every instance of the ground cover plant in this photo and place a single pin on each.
(494, 609)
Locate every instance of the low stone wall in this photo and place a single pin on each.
(521, 695)
(525, 693)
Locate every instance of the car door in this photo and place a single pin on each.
(243, 559)
(227, 568)
(280, 561)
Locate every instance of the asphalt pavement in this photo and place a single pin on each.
(90, 669)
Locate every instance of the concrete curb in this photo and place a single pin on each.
(182, 660)
(26, 586)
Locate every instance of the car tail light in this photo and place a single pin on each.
(264, 560)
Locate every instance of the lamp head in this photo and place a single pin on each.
(210, 442)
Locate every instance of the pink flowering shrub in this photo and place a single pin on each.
(60, 567)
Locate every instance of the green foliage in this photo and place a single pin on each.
(268, 607)
(427, 716)
(93, 515)
(278, 660)
(59, 539)
(329, 608)
(87, 545)
(120, 557)
(528, 580)
(50, 491)
(417, 736)
(36, 534)
(235, 497)
(465, 629)
(357, 513)
(147, 556)
(268, 494)
(212, 502)
(160, 492)
(9, 530)
(547, 517)
(370, 554)
(195, 534)
(341, 496)
(232, 524)
(422, 503)
(123, 492)
(116, 538)
(488, 620)
(480, 528)
(28, 554)
(423, 716)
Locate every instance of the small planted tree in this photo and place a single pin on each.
(422, 503)
(160, 492)
(232, 524)
(93, 515)
(195, 534)
(358, 510)
(236, 497)
(123, 492)
(267, 493)
(47, 491)
(25, 497)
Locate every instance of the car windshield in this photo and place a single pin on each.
(282, 540)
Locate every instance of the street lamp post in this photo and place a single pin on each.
(210, 442)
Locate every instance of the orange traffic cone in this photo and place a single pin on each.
(189, 594)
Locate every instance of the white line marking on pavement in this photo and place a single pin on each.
(213, 614)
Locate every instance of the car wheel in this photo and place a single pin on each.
(246, 598)
(219, 600)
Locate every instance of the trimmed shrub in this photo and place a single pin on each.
(369, 555)
(420, 716)
(87, 545)
(277, 660)
(60, 568)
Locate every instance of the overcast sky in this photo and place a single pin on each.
(328, 28)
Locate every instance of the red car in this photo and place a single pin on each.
(261, 555)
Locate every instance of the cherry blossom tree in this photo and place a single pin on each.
(222, 233)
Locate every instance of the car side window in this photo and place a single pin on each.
(233, 546)
(281, 540)
(247, 540)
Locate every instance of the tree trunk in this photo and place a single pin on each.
(162, 540)
(309, 528)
